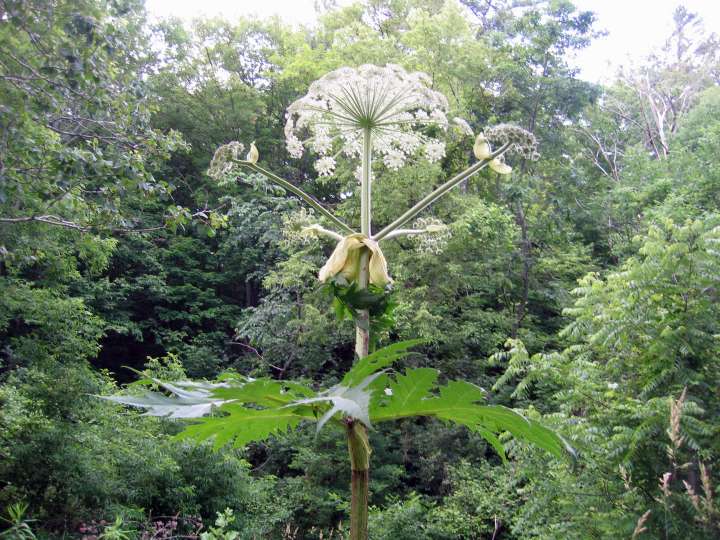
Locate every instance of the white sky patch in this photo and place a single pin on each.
(298, 12)
(635, 27)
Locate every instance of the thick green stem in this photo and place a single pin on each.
(362, 321)
(359, 450)
(358, 444)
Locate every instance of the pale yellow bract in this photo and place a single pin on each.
(345, 260)
(482, 150)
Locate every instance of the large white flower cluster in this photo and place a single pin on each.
(395, 105)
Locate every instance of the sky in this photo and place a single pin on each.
(634, 27)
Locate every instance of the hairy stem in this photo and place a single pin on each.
(359, 450)
(362, 321)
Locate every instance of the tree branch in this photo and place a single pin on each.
(49, 219)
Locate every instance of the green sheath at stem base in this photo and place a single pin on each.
(359, 449)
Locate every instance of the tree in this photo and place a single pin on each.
(664, 90)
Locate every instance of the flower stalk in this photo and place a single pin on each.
(357, 436)
(309, 200)
(439, 192)
(365, 187)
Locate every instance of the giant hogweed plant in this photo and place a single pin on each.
(357, 114)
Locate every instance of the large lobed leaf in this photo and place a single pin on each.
(410, 394)
(235, 421)
(242, 425)
(254, 409)
(264, 392)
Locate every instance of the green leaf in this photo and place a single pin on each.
(411, 395)
(407, 393)
(378, 360)
(264, 392)
(242, 425)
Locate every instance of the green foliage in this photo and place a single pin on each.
(115, 246)
(18, 527)
(656, 314)
(401, 520)
(115, 531)
(75, 121)
(71, 454)
(348, 299)
(220, 530)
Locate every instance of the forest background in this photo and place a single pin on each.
(583, 290)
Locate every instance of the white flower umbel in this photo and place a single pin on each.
(363, 111)
(325, 166)
(389, 101)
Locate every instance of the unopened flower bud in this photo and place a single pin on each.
(481, 149)
(500, 167)
(253, 154)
